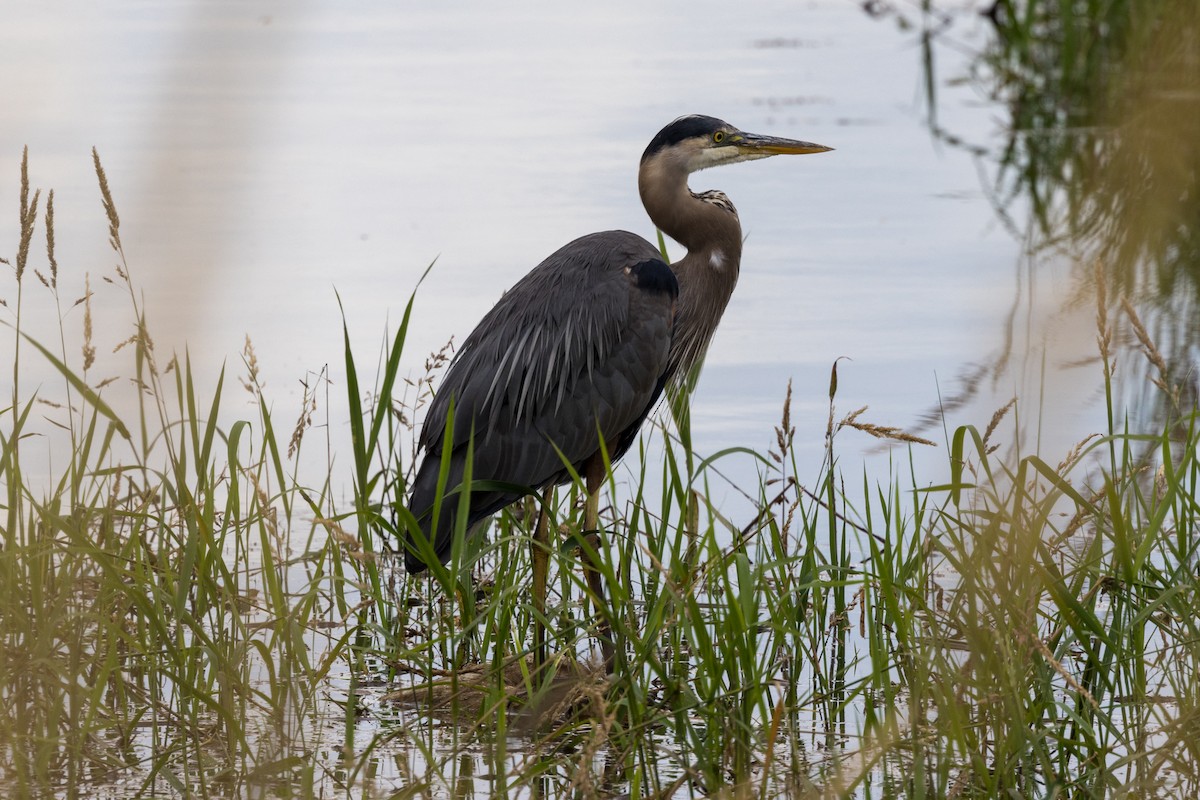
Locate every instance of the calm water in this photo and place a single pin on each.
(263, 157)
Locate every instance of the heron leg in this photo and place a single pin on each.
(541, 557)
(591, 529)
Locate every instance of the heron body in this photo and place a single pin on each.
(571, 360)
(537, 382)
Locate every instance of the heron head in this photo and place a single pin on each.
(695, 142)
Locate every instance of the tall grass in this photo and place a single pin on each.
(186, 613)
(154, 622)
(1025, 628)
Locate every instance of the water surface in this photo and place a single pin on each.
(263, 157)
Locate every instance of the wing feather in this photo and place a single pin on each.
(574, 351)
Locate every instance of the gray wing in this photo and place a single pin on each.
(578, 349)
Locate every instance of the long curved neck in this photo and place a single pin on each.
(707, 225)
(701, 223)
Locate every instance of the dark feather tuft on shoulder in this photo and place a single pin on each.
(653, 275)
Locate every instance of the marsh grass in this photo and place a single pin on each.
(185, 613)
(156, 627)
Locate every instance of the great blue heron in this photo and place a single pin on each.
(572, 359)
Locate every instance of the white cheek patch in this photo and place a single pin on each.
(711, 157)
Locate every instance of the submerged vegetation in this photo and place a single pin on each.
(185, 612)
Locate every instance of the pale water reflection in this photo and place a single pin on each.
(264, 156)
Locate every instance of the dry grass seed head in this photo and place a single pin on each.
(110, 208)
(144, 335)
(969, 465)
(252, 383)
(1148, 348)
(999, 415)
(439, 357)
(852, 417)
(880, 431)
(1038, 646)
(24, 246)
(24, 180)
(28, 217)
(433, 364)
(308, 407)
(789, 516)
(785, 432)
(89, 349)
(50, 240)
(1073, 455)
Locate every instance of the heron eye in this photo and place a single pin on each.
(718, 137)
